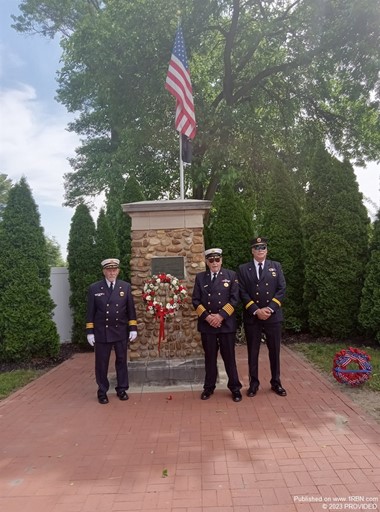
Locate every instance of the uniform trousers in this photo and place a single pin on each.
(253, 333)
(226, 343)
(102, 358)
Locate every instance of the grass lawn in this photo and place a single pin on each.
(16, 379)
(322, 356)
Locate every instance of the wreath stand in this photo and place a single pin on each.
(163, 295)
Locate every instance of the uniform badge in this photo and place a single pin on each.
(121, 294)
(99, 294)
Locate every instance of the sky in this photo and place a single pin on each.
(34, 141)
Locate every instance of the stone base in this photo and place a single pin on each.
(171, 372)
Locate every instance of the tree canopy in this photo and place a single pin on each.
(267, 76)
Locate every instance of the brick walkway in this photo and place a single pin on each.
(63, 452)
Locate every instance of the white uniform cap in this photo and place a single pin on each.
(213, 252)
(110, 263)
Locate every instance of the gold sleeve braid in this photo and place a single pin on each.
(200, 310)
(277, 302)
(249, 304)
(228, 309)
(132, 322)
(90, 325)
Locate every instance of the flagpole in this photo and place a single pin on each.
(178, 83)
(181, 173)
(181, 185)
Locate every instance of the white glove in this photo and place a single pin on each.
(132, 335)
(91, 339)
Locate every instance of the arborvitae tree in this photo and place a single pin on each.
(84, 267)
(336, 246)
(105, 240)
(230, 228)
(281, 224)
(369, 315)
(131, 193)
(114, 199)
(26, 309)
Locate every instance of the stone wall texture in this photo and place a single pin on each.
(181, 336)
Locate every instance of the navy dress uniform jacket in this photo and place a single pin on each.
(110, 315)
(269, 291)
(221, 297)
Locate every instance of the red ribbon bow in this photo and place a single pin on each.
(161, 316)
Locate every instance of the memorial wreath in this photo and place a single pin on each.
(163, 295)
(352, 377)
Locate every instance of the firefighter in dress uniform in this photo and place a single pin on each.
(262, 290)
(215, 297)
(110, 323)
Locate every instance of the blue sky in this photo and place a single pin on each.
(34, 141)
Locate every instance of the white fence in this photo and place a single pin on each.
(60, 293)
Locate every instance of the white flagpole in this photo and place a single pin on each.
(181, 184)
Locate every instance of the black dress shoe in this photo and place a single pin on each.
(279, 390)
(123, 396)
(236, 396)
(103, 399)
(252, 391)
(206, 394)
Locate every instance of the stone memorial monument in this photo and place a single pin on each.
(167, 238)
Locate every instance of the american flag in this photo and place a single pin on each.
(178, 83)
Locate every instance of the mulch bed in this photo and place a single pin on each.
(66, 352)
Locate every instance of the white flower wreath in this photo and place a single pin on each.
(158, 285)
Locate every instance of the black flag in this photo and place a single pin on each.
(187, 149)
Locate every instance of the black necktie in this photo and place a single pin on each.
(111, 287)
(260, 270)
(214, 277)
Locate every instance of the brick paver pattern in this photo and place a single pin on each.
(169, 451)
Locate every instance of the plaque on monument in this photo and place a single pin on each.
(173, 265)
